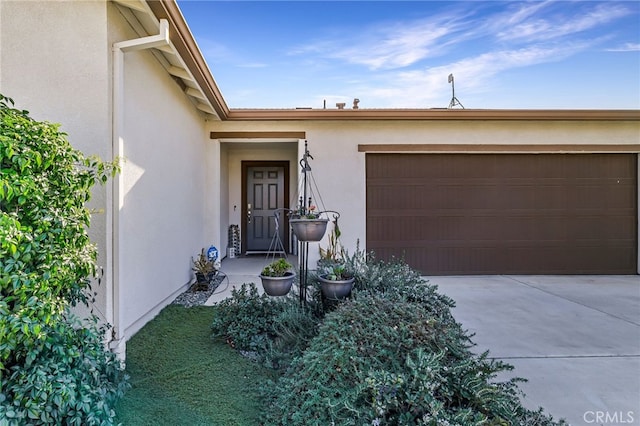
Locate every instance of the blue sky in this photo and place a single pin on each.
(395, 54)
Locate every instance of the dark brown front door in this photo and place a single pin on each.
(449, 214)
(265, 193)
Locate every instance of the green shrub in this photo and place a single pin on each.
(389, 362)
(392, 354)
(52, 369)
(69, 380)
(273, 330)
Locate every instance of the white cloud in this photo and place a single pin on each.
(429, 87)
(389, 45)
(529, 27)
(398, 45)
(627, 47)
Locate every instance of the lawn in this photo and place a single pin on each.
(180, 375)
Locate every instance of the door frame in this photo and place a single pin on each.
(245, 164)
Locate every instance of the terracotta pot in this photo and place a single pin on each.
(309, 229)
(277, 286)
(335, 289)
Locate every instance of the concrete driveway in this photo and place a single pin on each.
(575, 338)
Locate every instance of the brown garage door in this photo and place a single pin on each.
(504, 213)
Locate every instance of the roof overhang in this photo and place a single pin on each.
(182, 58)
(434, 114)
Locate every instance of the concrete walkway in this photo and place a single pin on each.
(240, 270)
(575, 338)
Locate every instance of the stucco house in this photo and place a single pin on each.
(453, 191)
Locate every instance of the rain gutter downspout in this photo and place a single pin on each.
(117, 343)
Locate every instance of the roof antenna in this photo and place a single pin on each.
(454, 100)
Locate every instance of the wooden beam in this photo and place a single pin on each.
(258, 135)
(179, 72)
(494, 148)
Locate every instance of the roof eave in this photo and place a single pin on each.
(434, 114)
(183, 40)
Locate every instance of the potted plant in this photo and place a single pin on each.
(336, 281)
(204, 269)
(277, 277)
(307, 225)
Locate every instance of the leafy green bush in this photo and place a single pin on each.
(273, 330)
(378, 361)
(52, 369)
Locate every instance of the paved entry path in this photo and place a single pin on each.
(575, 338)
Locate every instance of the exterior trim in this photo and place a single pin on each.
(257, 135)
(469, 148)
(432, 114)
(183, 40)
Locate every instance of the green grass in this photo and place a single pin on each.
(180, 375)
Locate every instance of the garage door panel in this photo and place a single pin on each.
(518, 260)
(481, 214)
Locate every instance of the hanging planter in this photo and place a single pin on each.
(277, 278)
(278, 286)
(309, 229)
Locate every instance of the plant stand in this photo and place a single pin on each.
(305, 224)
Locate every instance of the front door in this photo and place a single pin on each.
(265, 194)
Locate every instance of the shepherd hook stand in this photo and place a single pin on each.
(306, 207)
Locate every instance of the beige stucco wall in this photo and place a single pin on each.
(54, 62)
(167, 212)
(339, 169)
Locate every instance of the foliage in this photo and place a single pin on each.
(391, 355)
(293, 329)
(272, 330)
(381, 363)
(337, 272)
(52, 369)
(334, 252)
(277, 268)
(203, 265)
(70, 380)
(244, 319)
(304, 212)
(205, 270)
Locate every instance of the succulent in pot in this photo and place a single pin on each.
(336, 281)
(277, 277)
